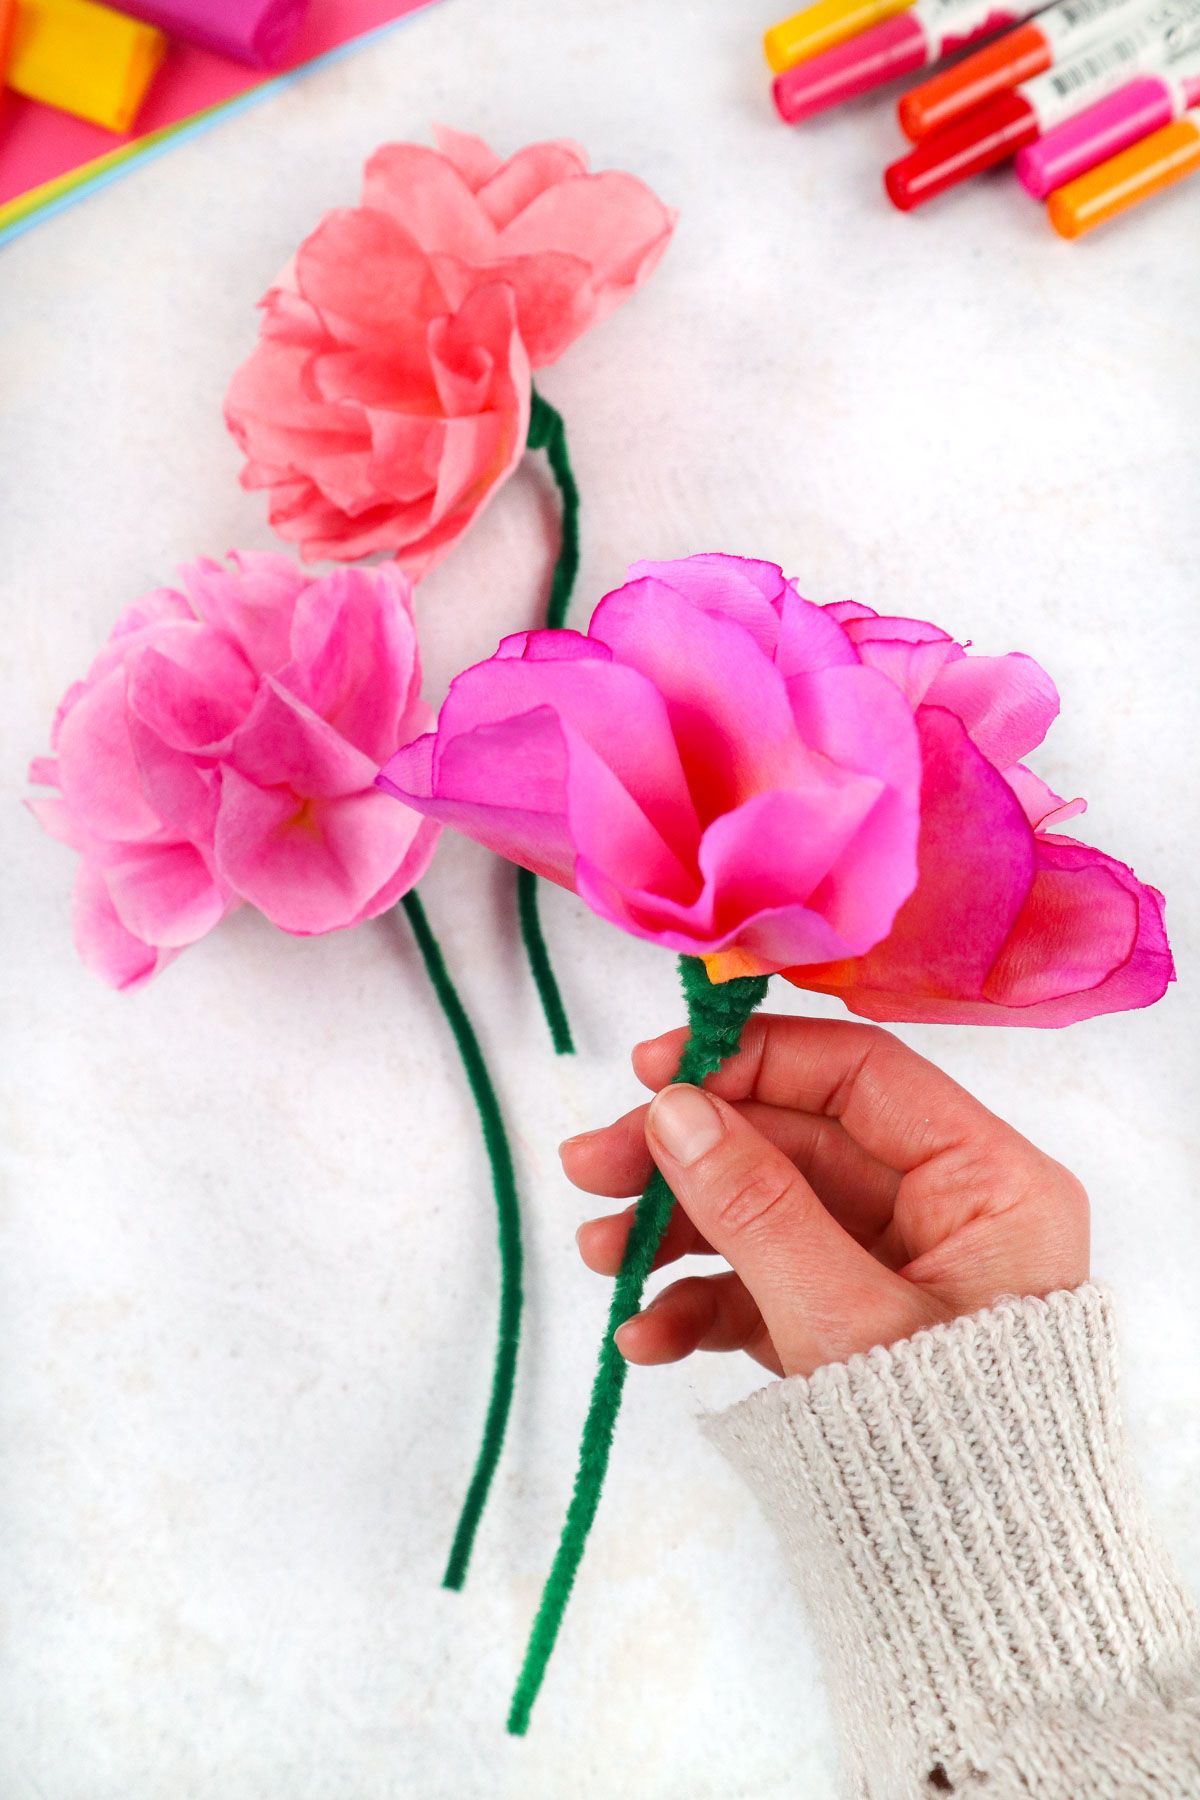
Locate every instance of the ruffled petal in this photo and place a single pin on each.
(430, 198)
(164, 895)
(310, 865)
(98, 771)
(1089, 940)
(727, 704)
(975, 859)
(587, 690)
(284, 744)
(191, 688)
(366, 276)
(504, 785)
(1007, 703)
(475, 161)
(533, 171)
(103, 943)
(355, 660)
(1042, 806)
(251, 599)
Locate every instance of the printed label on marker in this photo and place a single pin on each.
(1060, 93)
(1074, 22)
(949, 24)
(1179, 23)
(1150, 44)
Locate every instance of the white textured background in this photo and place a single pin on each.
(247, 1274)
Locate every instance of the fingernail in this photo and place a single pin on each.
(623, 1330)
(686, 1123)
(580, 1137)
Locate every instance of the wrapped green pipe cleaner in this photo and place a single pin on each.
(547, 432)
(508, 1218)
(717, 1015)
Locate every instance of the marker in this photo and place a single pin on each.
(1126, 180)
(993, 133)
(86, 59)
(821, 26)
(911, 40)
(1056, 35)
(1110, 126)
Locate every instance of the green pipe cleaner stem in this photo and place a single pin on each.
(508, 1215)
(717, 1015)
(547, 432)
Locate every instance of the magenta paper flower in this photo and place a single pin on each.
(389, 395)
(223, 748)
(1011, 923)
(711, 767)
(733, 772)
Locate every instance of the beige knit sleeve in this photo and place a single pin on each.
(997, 1616)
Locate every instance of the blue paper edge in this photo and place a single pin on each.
(228, 110)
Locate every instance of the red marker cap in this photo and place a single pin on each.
(999, 66)
(988, 136)
(896, 47)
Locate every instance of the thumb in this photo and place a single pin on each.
(822, 1296)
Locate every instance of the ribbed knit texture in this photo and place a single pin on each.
(997, 1617)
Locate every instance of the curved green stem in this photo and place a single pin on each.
(547, 432)
(539, 962)
(508, 1214)
(717, 1014)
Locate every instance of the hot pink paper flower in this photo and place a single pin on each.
(223, 748)
(1011, 923)
(711, 767)
(389, 394)
(725, 768)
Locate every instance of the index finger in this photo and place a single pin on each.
(896, 1105)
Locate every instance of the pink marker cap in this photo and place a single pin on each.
(896, 47)
(1095, 134)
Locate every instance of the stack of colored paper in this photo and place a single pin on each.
(96, 87)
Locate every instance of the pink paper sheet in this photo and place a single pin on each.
(39, 142)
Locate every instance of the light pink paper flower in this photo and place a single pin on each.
(223, 748)
(710, 767)
(389, 394)
(733, 772)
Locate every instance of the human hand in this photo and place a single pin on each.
(855, 1192)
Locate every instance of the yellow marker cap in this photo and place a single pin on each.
(819, 27)
(86, 59)
(1164, 157)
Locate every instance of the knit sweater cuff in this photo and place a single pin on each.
(964, 1523)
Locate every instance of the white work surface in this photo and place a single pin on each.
(247, 1259)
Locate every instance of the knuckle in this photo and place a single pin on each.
(749, 1196)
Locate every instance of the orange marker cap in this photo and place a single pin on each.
(822, 26)
(1161, 159)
